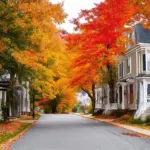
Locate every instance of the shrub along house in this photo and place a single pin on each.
(133, 87)
(20, 105)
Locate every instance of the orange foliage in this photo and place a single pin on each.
(142, 13)
(99, 40)
(46, 57)
(68, 100)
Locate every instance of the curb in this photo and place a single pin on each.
(127, 127)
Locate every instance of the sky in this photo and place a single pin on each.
(73, 8)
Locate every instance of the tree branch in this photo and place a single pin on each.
(88, 93)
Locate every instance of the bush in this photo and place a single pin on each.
(137, 121)
(74, 109)
(148, 120)
(129, 119)
(4, 112)
(46, 111)
(125, 117)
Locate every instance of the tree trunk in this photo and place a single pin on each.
(33, 100)
(92, 97)
(11, 102)
(54, 109)
(112, 75)
(112, 93)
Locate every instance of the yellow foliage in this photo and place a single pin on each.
(47, 55)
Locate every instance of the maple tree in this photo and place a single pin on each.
(46, 57)
(32, 48)
(99, 40)
(63, 101)
(67, 93)
(13, 38)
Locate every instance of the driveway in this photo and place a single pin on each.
(70, 132)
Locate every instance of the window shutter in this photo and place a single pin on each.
(122, 69)
(144, 62)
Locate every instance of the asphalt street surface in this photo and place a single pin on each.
(70, 132)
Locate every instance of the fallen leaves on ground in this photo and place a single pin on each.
(9, 128)
(133, 134)
(9, 131)
(105, 117)
(142, 126)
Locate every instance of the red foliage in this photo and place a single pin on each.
(43, 101)
(100, 39)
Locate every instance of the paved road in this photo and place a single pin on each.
(69, 132)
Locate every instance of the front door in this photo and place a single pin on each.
(120, 94)
(131, 94)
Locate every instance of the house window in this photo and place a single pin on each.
(144, 62)
(129, 65)
(147, 62)
(121, 70)
(148, 90)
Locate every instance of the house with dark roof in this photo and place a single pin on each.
(134, 74)
(133, 87)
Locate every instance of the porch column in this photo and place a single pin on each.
(96, 95)
(10, 111)
(123, 102)
(144, 93)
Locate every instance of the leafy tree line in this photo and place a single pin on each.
(31, 48)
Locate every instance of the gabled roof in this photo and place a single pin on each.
(142, 34)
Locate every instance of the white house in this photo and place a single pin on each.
(133, 87)
(21, 100)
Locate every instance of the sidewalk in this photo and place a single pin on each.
(128, 127)
(27, 121)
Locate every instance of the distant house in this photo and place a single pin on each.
(133, 87)
(21, 99)
(83, 98)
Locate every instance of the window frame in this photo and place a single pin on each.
(129, 60)
(121, 70)
(147, 90)
(146, 59)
